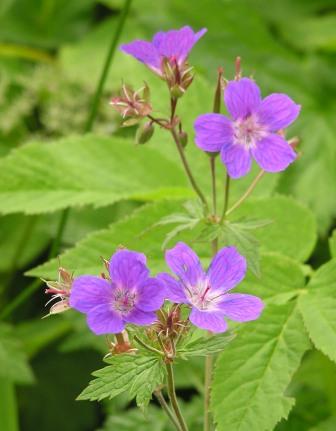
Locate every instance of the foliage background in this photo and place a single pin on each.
(51, 55)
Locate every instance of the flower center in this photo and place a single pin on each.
(123, 301)
(248, 131)
(201, 296)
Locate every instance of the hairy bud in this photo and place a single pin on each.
(144, 133)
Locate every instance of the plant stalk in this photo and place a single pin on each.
(166, 409)
(173, 398)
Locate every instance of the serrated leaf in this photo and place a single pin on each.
(13, 361)
(254, 371)
(85, 170)
(138, 375)
(318, 307)
(206, 346)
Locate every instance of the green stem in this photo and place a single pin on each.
(166, 408)
(173, 398)
(247, 193)
(207, 391)
(8, 406)
(106, 67)
(213, 183)
(187, 169)
(226, 197)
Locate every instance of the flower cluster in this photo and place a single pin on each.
(130, 295)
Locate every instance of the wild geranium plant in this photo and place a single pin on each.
(154, 320)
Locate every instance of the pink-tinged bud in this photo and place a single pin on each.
(132, 105)
(60, 289)
(144, 133)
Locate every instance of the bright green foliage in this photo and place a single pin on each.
(290, 220)
(206, 345)
(138, 375)
(13, 361)
(318, 307)
(254, 371)
(85, 170)
(327, 425)
(281, 279)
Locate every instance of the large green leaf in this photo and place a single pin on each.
(85, 170)
(318, 309)
(13, 362)
(254, 371)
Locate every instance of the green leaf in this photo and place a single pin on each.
(281, 279)
(206, 346)
(13, 362)
(254, 371)
(318, 309)
(290, 219)
(85, 170)
(332, 244)
(138, 375)
(327, 425)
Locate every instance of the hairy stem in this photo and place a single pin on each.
(166, 409)
(147, 347)
(226, 197)
(247, 193)
(173, 398)
(187, 169)
(213, 183)
(207, 391)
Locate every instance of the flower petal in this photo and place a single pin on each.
(151, 294)
(145, 52)
(240, 307)
(210, 320)
(177, 43)
(103, 320)
(242, 97)
(237, 160)
(278, 111)
(173, 289)
(273, 153)
(212, 132)
(89, 291)
(184, 262)
(227, 269)
(128, 268)
(139, 317)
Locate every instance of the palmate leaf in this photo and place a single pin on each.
(13, 361)
(254, 371)
(78, 171)
(138, 375)
(318, 307)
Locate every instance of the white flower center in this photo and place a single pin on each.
(202, 297)
(123, 300)
(248, 131)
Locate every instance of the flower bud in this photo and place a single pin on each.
(183, 136)
(144, 133)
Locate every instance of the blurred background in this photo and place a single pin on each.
(51, 56)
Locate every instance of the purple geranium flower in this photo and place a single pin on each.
(130, 296)
(173, 45)
(251, 131)
(207, 292)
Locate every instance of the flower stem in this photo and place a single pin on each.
(187, 169)
(166, 408)
(247, 193)
(213, 183)
(207, 390)
(173, 398)
(226, 197)
(147, 347)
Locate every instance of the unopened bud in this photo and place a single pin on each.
(183, 137)
(177, 91)
(144, 133)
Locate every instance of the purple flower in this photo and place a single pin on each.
(130, 296)
(173, 45)
(207, 292)
(251, 131)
